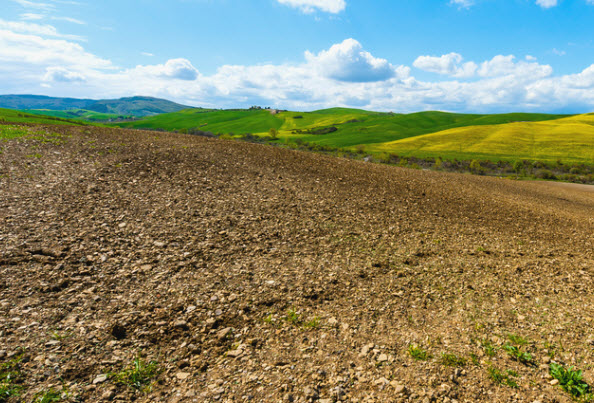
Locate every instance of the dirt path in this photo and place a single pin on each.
(254, 273)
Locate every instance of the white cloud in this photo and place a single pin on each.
(449, 64)
(34, 4)
(69, 19)
(180, 69)
(31, 16)
(546, 3)
(462, 3)
(347, 61)
(309, 6)
(147, 54)
(505, 65)
(35, 29)
(342, 75)
(60, 74)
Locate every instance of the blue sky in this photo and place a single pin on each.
(403, 56)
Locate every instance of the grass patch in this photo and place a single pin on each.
(506, 377)
(10, 377)
(48, 396)
(139, 375)
(489, 348)
(571, 380)
(418, 353)
(313, 323)
(452, 360)
(517, 354)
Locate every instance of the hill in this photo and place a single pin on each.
(568, 139)
(137, 106)
(353, 126)
(215, 270)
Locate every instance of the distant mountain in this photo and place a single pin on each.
(137, 106)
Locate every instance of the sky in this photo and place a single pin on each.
(482, 56)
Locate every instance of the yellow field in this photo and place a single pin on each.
(568, 139)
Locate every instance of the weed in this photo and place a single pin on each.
(10, 376)
(503, 377)
(475, 360)
(452, 360)
(293, 317)
(571, 381)
(269, 319)
(517, 340)
(313, 323)
(55, 335)
(48, 396)
(489, 348)
(518, 355)
(138, 375)
(418, 353)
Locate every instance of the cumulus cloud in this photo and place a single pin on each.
(347, 61)
(309, 6)
(450, 64)
(60, 74)
(546, 3)
(179, 69)
(344, 74)
(506, 65)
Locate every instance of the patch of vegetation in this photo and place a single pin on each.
(313, 323)
(517, 354)
(418, 353)
(139, 375)
(48, 396)
(293, 317)
(503, 377)
(10, 378)
(489, 348)
(571, 380)
(452, 360)
(517, 340)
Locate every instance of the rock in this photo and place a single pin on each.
(182, 376)
(554, 382)
(311, 393)
(224, 333)
(398, 387)
(108, 394)
(100, 379)
(235, 353)
(181, 324)
(382, 358)
(159, 244)
(332, 322)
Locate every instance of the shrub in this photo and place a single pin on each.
(571, 381)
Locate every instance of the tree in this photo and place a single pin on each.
(273, 133)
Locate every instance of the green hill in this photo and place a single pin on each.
(137, 106)
(12, 116)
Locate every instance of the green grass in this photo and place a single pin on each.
(517, 354)
(48, 396)
(14, 116)
(139, 375)
(418, 353)
(503, 377)
(10, 378)
(12, 132)
(78, 114)
(452, 360)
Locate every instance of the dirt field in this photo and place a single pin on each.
(236, 272)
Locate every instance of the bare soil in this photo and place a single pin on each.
(256, 273)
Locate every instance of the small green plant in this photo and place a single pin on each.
(48, 396)
(55, 335)
(139, 375)
(475, 360)
(293, 317)
(452, 360)
(517, 340)
(572, 382)
(489, 349)
(503, 377)
(418, 353)
(518, 355)
(313, 323)
(269, 319)
(10, 377)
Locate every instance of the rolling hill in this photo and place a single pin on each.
(569, 139)
(137, 106)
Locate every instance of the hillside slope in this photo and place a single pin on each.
(137, 106)
(569, 139)
(247, 272)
